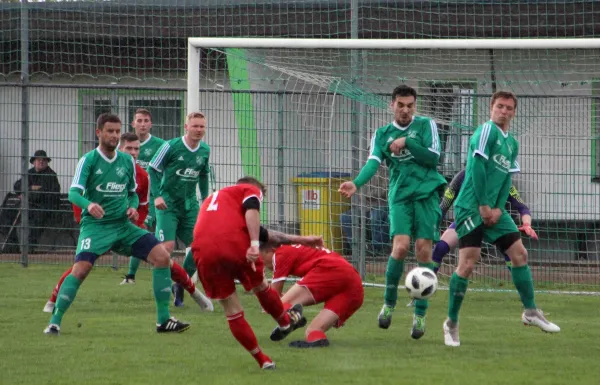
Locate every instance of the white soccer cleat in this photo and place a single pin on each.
(128, 281)
(202, 300)
(535, 317)
(451, 337)
(269, 365)
(52, 330)
(49, 307)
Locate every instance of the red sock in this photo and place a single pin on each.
(316, 335)
(271, 303)
(243, 333)
(179, 275)
(59, 284)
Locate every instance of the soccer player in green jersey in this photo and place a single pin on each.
(104, 187)
(178, 167)
(142, 123)
(410, 147)
(480, 215)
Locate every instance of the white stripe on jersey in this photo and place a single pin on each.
(134, 175)
(483, 138)
(516, 169)
(157, 161)
(372, 148)
(77, 176)
(435, 139)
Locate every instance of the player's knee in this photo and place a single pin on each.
(423, 249)
(465, 266)
(81, 270)
(519, 257)
(159, 257)
(169, 246)
(400, 248)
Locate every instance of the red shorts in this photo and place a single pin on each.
(340, 288)
(219, 265)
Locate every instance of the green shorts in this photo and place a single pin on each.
(417, 219)
(174, 223)
(468, 220)
(98, 238)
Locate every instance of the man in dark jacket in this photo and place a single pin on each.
(44, 190)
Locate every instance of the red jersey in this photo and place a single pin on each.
(142, 180)
(298, 261)
(222, 217)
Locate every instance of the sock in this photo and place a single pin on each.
(161, 286)
(439, 252)
(392, 278)
(524, 283)
(508, 262)
(59, 284)
(134, 264)
(316, 335)
(458, 289)
(271, 303)
(243, 333)
(66, 296)
(421, 305)
(181, 277)
(189, 264)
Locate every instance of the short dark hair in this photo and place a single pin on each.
(106, 118)
(253, 181)
(129, 137)
(503, 95)
(404, 90)
(142, 111)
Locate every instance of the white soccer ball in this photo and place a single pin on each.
(421, 283)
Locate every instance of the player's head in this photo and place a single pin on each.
(404, 104)
(503, 107)
(108, 131)
(253, 181)
(130, 143)
(195, 125)
(267, 251)
(142, 121)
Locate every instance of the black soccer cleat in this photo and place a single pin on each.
(323, 343)
(297, 319)
(172, 325)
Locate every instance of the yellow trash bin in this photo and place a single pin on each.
(320, 206)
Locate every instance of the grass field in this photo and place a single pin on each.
(117, 343)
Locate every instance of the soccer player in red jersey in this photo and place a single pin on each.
(130, 144)
(226, 243)
(326, 277)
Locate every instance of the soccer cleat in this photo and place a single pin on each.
(385, 316)
(322, 343)
(52, 330)
(202, 300)
(269, 365)
(451, 334)
(535, 317)
(172, 325)
(411, 303)
(297, 321)
(128, 280)
(418, 327)
(177, 290)
(49, 307)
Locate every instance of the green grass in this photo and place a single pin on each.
(117, 343)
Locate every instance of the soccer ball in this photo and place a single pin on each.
(421, 283)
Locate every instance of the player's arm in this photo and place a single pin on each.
(203, 181)
(77, 189)
(515, 200)
(427, 153)
(481, 143)
(276, 239)
(155, 171)
(367, 172)
(451, 192)
(251, 206)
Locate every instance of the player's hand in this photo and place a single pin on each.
(95, 210)
(132, 214)
(35, 187)
(312, 241)
(347, 189)
(486, 215)
(160, 204)
(252, 255)
(397, 145)
(496, 214)
(527, 229)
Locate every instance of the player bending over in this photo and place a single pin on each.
(480, 215)
(130, 144)
(326, 277)
(104, 187)
(226, 247)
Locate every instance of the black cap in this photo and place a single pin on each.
(39, 154)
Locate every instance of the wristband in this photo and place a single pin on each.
(254, 243)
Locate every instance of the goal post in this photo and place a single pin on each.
(294, 109)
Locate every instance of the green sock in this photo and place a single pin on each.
(421, 305)
(524, 283)
(458, 290)
(189, 265)
(134, 264)
(161, 285)
(66, 296)
(392, 278)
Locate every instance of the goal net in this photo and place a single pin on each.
(299, 114)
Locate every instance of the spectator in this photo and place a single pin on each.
(44, 190)
(377, 210)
